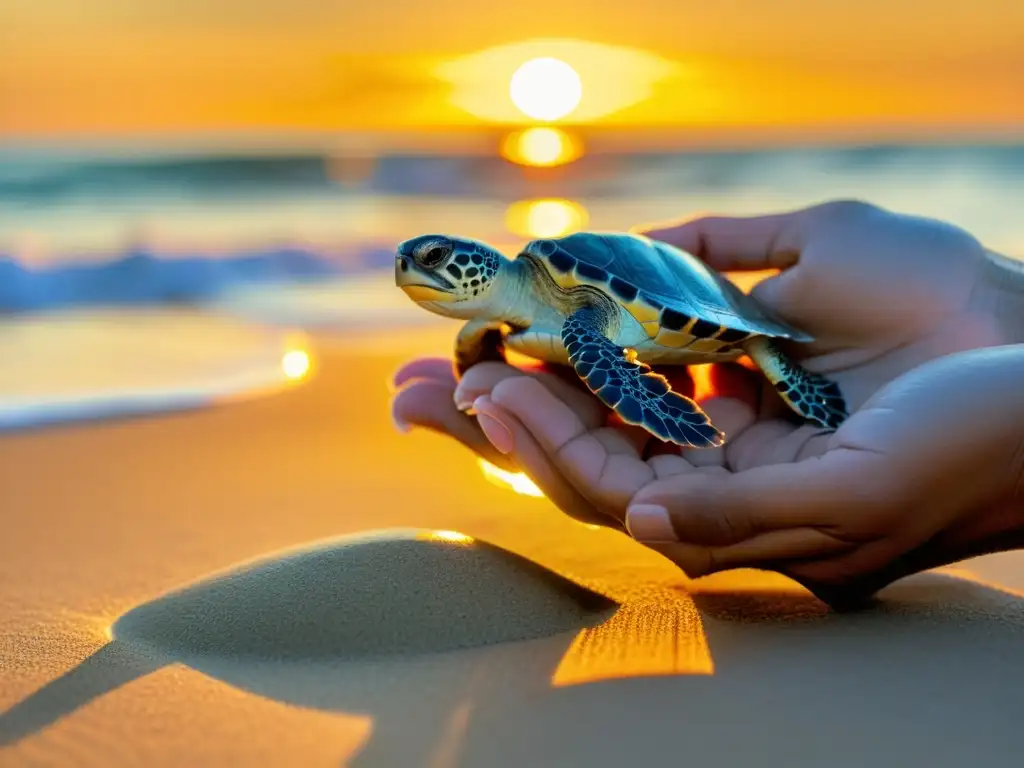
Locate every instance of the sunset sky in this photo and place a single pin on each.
(132, 68)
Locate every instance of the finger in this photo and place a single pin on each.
(738, 243)
(623, 470)
(608, 478)
(730, 394)
(641, 443)
(667, 465)
(757, 552)
(828, 493)
(754, 447)
(436, 368)
(564, 372)
(481, 380)
(777, 442)
(429, 404)
(731, 416)
(695, 561)
(506, 431)
(847, 581)
(869, 561)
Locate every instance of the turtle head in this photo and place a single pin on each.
(447, 275)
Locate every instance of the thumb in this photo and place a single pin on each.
(810, 510)
(781, 295)
(722, 509)
(742, 243)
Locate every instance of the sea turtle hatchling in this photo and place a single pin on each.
(611, 305)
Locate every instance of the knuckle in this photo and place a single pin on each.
(712, 511)
(846, 209)
(692, 560)
(481, 376)
(516, 387)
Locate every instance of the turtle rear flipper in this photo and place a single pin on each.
(811, 395)
(630, 388)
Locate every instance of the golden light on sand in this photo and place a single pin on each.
(295, 363)
(550, 217)
(554, 79)
(515, 481)
(540, 146)
(545, 88)
(639, 640)
(453, 536)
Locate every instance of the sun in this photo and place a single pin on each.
(545, 88)
(295, 364)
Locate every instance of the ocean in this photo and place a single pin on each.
(60, 207)
(306, 239)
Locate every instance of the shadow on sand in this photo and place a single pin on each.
(930, 676)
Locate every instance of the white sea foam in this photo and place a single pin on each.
(84, 365)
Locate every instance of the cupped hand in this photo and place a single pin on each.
(928, 471)
(880, 291)
(428, 396)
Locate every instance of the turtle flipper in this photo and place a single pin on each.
(630, 388)
(478, 341)
(811, 395)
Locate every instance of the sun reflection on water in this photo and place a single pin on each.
(295, 364)
(549, 217)
(541, 146)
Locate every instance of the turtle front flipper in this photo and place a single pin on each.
(478, 341)
(630, 388)
(810, 395)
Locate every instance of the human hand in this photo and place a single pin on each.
(930, 470)
(881, 292)
(429, 396)
(838, 259)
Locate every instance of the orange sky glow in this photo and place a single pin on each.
(112, 68)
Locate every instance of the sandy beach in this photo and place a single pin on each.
(516, 637)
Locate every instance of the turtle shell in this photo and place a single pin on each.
(663, 287)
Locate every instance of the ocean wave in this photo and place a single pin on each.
(41, 178)
(143, 278)
(91, 364)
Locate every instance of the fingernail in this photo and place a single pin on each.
(400, 425)
(649, 522)
(496, 432)
(464, 400)
(465, 404)
(396, 381)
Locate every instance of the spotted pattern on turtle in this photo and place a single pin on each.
(473, 269)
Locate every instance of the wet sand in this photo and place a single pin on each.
(183, 589)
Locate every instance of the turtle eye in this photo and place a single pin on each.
(434, 255)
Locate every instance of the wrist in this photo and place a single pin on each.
(999, 528)
(999, 292)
